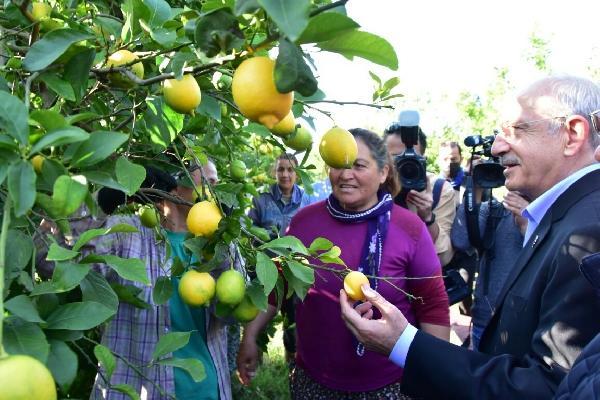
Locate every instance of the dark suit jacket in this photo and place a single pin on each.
(547, 312)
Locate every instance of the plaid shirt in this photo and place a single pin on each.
(133, 332)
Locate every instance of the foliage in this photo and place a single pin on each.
(97, 126)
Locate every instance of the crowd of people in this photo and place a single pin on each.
(532, 258)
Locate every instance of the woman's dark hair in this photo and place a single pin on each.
(379, 152)
(110, 199)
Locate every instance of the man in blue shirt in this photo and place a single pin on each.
(546, 311)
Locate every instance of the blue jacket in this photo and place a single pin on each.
(269, 212)
(583, 381)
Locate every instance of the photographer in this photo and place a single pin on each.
(499, 236)
(449, 161)
(430, 197)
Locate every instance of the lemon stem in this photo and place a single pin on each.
(3, 237)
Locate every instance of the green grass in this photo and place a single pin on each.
(271, 381)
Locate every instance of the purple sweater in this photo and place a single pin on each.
(325, 347)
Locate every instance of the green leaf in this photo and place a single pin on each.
(391, 83)
(21, 249)
(93, 233)
(159, 10)
(193, 367)
(49, 119)
(210, 107)
(52, 45)
(365, 45)
(21, 337)
(375, 78)
(127, 268)
(130, 294)
(67, 275)
(50, 173)
(97, 148)
(332, 256)
(245, 7)
(77, 72)
(58, 85)
(58, 253)
(266, 272)
(95, 287)
(162, 123)
(326, 26)
(63, 363)
(291, 71)
(59, 137)
(295, 285)
(288, 243)
(68, 194)
(23, 307)
(130, 175)
(291, 17)
(13, 117)
(21, 186)
(79, 316)
(320, 244)
(106, 358)
(162, 291)
(218, 32)
(103, 178)
(126, 389)
(302, 272)
(256, 293)
(81, 117)
(170, 342)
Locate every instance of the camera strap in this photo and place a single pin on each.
(472, 214)
(437, 192)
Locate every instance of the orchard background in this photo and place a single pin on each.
(73, 119)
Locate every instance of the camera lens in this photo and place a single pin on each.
(409, 170)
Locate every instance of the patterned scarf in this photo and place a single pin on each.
(377, 218)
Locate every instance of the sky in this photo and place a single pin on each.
(446, 47)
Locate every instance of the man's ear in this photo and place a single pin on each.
(578, 133)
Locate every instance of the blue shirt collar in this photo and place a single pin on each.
(296, 193)
(536, 210)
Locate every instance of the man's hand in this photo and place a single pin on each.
(247, 360)
(379, 335)
(423, 202)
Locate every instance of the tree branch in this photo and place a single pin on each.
(328, 7)
(165, 195)
(343, 103)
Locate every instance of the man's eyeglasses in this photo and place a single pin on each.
(526, 124)
(594, 117)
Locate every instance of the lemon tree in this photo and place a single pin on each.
(91, 92)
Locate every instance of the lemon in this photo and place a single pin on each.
(182, 95)
(37, 161)
(353, 285)
(237, 170)
(23, 377)
(196, 288)
(246, 311)
(255, 94)
(299, 141)
(286, 126)
(203, 218)
(231, 287)
(149, 217)
(119, 58)
(338, 148)
(40, 11)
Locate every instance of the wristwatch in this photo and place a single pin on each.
(431, 221)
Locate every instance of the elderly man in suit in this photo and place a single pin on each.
(546, 311)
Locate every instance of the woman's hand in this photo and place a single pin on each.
(247, 360)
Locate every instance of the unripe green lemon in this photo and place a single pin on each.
(246, 311)
(237, 170)
(231, 287)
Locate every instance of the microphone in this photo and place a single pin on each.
(409, 118)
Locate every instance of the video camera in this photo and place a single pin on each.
(490, 173)
(410, 165)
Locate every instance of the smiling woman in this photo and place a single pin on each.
(385, 242)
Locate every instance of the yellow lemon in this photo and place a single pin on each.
(231, 287)
(23, 377)
(353, 285)
(119, 58)
(182, 95)
(37, 161)
(286, 126)
(196, 288)
(203, 218)
(255, 94)
(299, 141)
(338, 148)
(40, 11)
